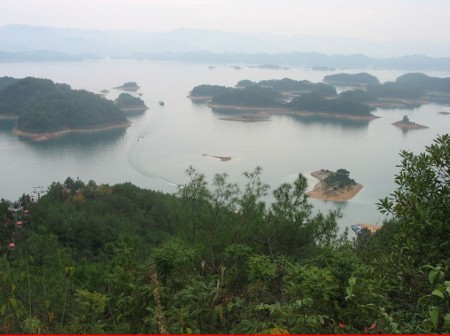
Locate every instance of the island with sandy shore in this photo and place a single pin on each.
(334, 186)
(130, 104)
(284, 96)
(44, 109)
(406, 124)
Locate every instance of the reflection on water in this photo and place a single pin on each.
(329, 121)
(74, 141)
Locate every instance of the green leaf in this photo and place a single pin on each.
(437, 292)
(13, 303)
(432, 276)
(434, 316)
(446, 321)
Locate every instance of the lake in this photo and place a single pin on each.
(161, 144)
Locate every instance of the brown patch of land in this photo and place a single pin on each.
(408, 125)
(371, 227)
(325, 192)
(51, 135)
(221, 158)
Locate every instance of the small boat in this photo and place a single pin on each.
(161, 103)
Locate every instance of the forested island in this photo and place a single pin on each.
(44, 109)
(128, 86)
(334, 186)
(130, 104)
(344, 79)
(304, 98)
(215, 258)
(283, 96)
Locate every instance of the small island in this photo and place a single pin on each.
(44, 109)
(221, 158)
(406, 124)
(130, 104)
(128, 86)
(334, 186)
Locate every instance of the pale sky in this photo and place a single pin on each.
(370, 20)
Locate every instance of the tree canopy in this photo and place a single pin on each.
(44, 106)
(216, 258)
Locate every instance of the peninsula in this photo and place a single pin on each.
(44, 109)
(334, 186)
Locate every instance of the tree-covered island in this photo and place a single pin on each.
(130, 104)
(283, 96)
(128, 86)
(44, 109)
(334, 186)
(304, 98)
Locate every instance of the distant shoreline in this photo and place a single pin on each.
(51, 135)
(323, 191)
(282, 110)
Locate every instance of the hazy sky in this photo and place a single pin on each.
(371, 20)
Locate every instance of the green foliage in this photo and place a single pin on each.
(357, 95)
(217, 259)
(248, 96)
(43, 106)
(126, 100)
(316, 103)
(344, 79)
(208, 90)
(340, 179)
(421, 202)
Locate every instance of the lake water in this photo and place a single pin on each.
(174, 136)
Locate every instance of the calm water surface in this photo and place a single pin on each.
(173, 137)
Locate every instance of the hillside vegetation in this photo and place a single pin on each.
(215, 258)
(40, 105)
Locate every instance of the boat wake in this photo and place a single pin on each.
(136, 147)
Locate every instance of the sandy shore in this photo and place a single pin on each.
(410, 125)
(323, 191)
(52, 135)
(279, 110)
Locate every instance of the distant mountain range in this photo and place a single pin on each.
(32, 43)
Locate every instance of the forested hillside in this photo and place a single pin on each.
(40, 105)
(215, 258)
